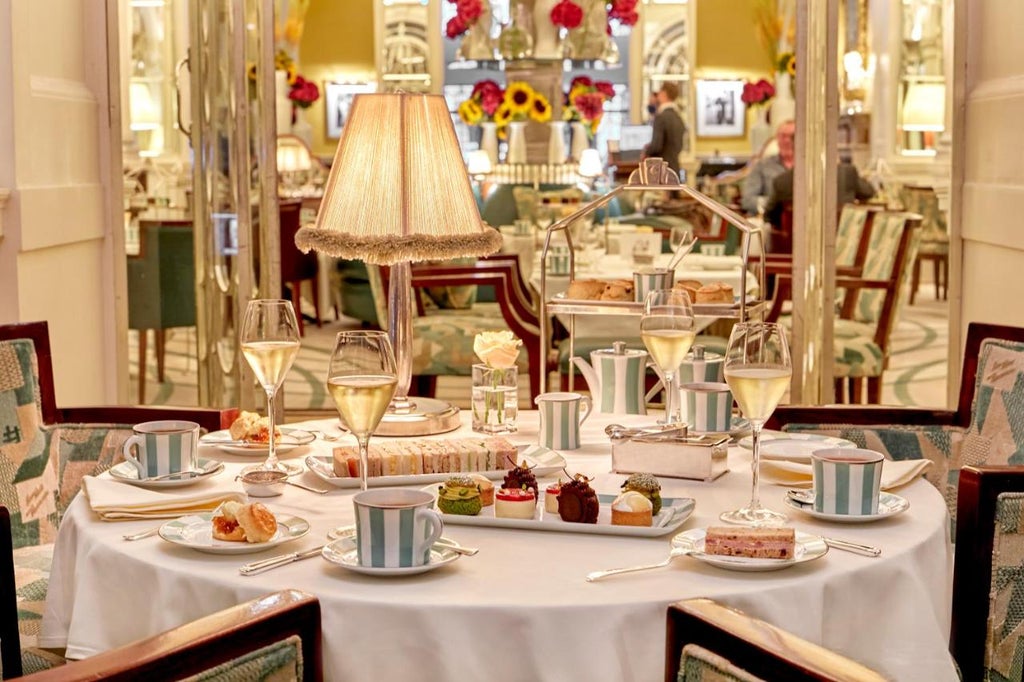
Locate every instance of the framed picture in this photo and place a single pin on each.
(337, 103)
(720, 110)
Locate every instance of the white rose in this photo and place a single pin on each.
(497, 349)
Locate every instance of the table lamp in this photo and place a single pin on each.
(924, 107)
(398, 192)
(293, 160)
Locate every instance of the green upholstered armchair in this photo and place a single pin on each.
(45, 451)
(161, 287)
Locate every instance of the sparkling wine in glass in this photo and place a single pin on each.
(361, 378)
(667, 329)
(270, 342)
(758, 369)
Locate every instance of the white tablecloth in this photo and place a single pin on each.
(521, 609)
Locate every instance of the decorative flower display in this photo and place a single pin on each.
(498, 349)
(303, 92)
(522, 102)
(569, 14)
(760, 92)
(786, 63)
(482, 104)
(467, 12)
(585, 101)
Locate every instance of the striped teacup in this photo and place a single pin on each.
(395, 528)
(708, 407)
(163, 447)
(560, 419)
(646, 280)
(847, 481)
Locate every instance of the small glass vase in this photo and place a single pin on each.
(495, 399)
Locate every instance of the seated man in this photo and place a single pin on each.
(758, 183)
(852, 187)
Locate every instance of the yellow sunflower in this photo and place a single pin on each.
(519, 97)
(503, 133)
(541, 109)
(791, 66)
(470, 112)
(503, 115)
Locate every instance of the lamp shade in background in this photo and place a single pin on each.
(292, 155)
(398, 189)
(478, 163)
(590, 164)
(924, 107)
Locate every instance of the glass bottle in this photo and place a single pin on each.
(516, 39)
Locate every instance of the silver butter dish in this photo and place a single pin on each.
(671, 453)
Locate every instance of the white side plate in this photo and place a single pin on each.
(196, 531)
(290, 439)
(794, 447)
(808, 548)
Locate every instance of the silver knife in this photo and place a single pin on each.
(856, 548)
(280, 560)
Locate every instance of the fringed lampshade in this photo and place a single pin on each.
(398, 189)
(399, 192)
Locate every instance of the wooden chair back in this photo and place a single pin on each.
(216, 640)
(297, 267)
(752, 646)
(10, 638)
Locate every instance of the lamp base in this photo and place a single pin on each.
(427, 417)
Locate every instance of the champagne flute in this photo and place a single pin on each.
(758, 369)
(362, 378)
(270, 342)
(667, 329)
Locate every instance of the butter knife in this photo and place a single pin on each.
(280, 560)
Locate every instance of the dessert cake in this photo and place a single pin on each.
(632, 509)
(237, 522)
(252, 428)
(486, 489)
(522, 477)
(755, 543)
(423, 456)
(551, 497)
(648, 486)
(577, 501)
(515, 503)
(459, 495)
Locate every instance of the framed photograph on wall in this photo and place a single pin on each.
(338, 101)
(720, 109)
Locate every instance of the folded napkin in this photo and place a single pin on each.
(115, 501)
(795, 475)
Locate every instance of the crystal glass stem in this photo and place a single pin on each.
(364, 460)
(271, 462)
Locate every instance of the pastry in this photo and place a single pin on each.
(577, 501)
(522, 477)
(755, 543)
(690, 286)
(252, 428)
(632, 509)
(551, 497)
(618, 290)
(585, 290)
(514, 503)
(427, 456)
(459, 495)
(648, 486)
(716, 292)
(237, 522)
(486, 489)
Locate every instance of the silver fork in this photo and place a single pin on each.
(144, 534)
(676, 552)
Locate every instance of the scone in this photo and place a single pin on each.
(716, 292)
(225, 523)
(252, 428)
(690, 286)
(618, 290)
(237, 522)
(585, 290)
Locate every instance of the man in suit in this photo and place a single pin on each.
(852, 187)
(669, 129)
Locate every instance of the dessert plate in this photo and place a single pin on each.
(795, 447)
(343, 552)
(808, 548)
(127, 473)
(543, 460)
(290, 439)
(196, 531)
(888, 505)
(674, 512)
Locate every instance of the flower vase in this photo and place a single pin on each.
(282, 104)
(580, 140)
(301, 128)
(489, 141)
(760, 131)
(547, 41)
(516, 142)
(476, 42)
(495, 399)
(556, 142)
(589, 39)
(783, 106)
(516, 38)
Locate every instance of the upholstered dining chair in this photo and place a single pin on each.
(985, 638)
(46, 450)
(709, 642)
(275, 637)
(297, 267)
(934, 245)
(980, 431)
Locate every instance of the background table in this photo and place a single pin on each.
(521, 608)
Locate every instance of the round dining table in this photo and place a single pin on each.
(520, 609)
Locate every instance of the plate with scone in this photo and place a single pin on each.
(249, 435)
(234, 528)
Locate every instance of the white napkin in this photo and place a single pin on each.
(796, 475)
(115, 501)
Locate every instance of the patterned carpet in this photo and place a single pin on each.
(916, 374)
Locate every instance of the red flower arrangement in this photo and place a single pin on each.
(623, 11)
(567, 14)
(466, 14)
(303, 92)
(757, 93)
(585, 101)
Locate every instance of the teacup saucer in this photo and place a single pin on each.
(127, 473)
(343, 553)
(888, 505)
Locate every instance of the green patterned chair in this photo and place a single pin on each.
(987, 428)
(988, 576)
(934, 245)
(274, 638)
(45, 451)
(709, 642)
